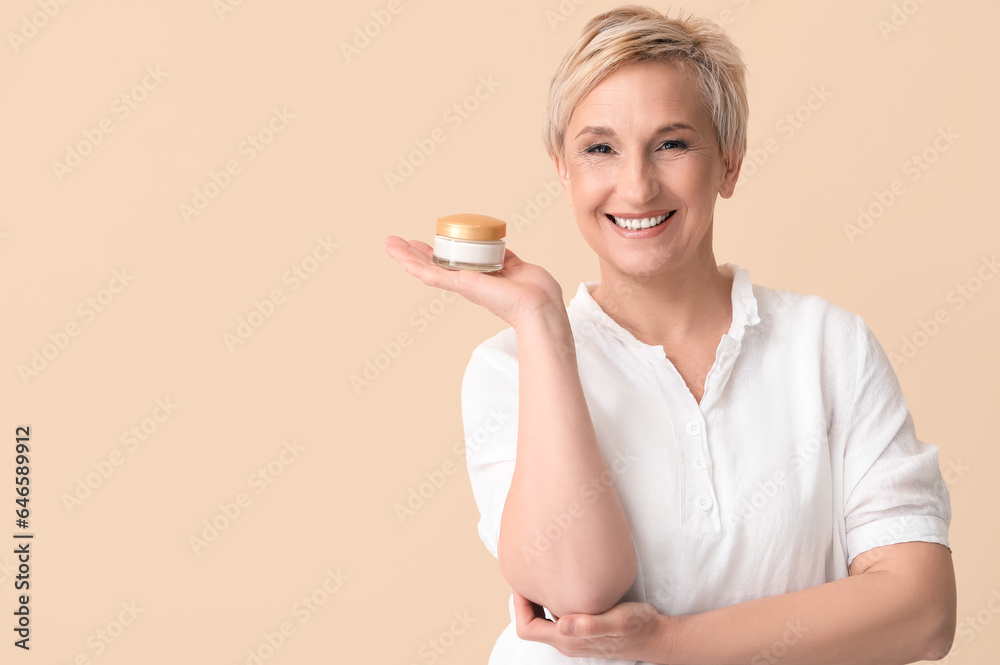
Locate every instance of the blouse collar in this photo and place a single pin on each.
(744, 304)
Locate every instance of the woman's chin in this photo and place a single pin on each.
(641, 264)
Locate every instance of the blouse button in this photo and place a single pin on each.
(693, 427)
(700, 463)
(704, 502)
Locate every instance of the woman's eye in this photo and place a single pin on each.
(673, 145)
(600, 148)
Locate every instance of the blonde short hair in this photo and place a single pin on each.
(631, 34)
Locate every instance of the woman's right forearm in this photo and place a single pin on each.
(561, 545)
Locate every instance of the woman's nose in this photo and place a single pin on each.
(637, 182)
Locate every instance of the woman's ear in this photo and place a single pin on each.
(730, 176)
(563, 172)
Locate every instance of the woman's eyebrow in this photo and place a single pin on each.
(607, 131)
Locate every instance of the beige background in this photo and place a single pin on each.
(322, 176)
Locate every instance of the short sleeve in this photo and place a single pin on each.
(893, 489)
(489, 418)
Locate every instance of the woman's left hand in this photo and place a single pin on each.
(628, 631)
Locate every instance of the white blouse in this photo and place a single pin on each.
(801, 455)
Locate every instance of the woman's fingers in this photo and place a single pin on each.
(517, 288)
(510, 258)
(427, 250)
(530, 621)
(395, 244)
(398, 247)
(402, 250)
(416, 258)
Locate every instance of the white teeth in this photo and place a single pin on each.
(643, 223)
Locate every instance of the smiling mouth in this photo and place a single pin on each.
(634, 224)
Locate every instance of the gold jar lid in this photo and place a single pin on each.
(468, 226)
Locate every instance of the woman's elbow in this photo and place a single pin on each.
(940, 631)
(600, 600)
(940, 643)
(583, 598)
(570, 591)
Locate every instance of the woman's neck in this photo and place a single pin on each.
(669, 308)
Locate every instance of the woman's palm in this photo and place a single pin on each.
(511, 293)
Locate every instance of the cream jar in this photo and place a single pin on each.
(470, 242)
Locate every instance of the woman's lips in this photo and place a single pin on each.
(654, 225)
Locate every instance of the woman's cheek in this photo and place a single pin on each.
(591, 177)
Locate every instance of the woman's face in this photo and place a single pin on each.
(641, 146)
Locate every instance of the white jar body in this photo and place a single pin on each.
(460, 254)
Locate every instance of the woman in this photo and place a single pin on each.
(689, 468)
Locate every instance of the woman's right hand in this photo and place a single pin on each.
(512, 293)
